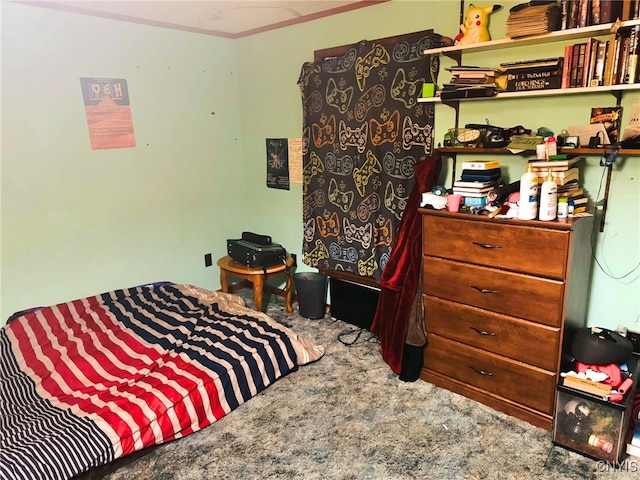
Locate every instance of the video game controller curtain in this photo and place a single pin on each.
(363, 130)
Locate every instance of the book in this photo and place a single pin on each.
(587, 386)
(632, 64)
(465, 193)
(611, 118)
(460, 183)
(471, 190)
(598, 74)
(555, 162)
(590, 53)
(480, 165)
(545, 83)
(609, 11)
(566, 66)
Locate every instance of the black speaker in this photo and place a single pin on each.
(353, 303)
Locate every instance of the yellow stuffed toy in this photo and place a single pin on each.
(476, 25)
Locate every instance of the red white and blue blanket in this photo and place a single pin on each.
(85, 382)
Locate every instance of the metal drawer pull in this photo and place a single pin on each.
(486, 245)
(483, 332)
(481, 372)
(485, 290)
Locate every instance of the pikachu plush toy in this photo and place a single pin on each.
(476, 25)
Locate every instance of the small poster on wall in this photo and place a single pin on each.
(278, 163)
(108, 111)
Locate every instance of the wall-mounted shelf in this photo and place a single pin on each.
(557, 36)
(505, 151)
(616, 90)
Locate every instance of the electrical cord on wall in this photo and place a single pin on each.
(606, 163)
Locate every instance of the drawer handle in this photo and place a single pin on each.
(485, 290)
(483, 332)
(486, 245)
(481, 372)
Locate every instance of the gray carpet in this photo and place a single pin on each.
(348, 416)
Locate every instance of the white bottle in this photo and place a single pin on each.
(548, 199)
(528, 205)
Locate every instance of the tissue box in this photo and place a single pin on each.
(591, 426)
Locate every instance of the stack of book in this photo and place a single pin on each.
(567, 176)
(534, 20)
(466, 76)
(633, 447)
(477, 180)
(540, 74)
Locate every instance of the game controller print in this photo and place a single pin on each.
(313, 257)
(342, 166)
(406, 91)
(374, 97)
(367, 206)
(398, 167)
(404, 52)
(368, 266)
(309, 230)
(383, 235)
(340, 99)
(354, 233)
(394, 203)
(340, 64)
(377, 56)
(386, 132)
(329, 227)
(311, 169)
(415, 135)
(362, 175)
(324, 134)
(343, 254)
(313, 104)
(352, 137)
(341, 199)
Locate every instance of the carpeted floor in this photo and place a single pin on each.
(348, 416)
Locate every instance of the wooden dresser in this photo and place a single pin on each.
(500, 298)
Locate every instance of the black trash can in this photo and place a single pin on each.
(311, 291)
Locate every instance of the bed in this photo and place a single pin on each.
(87, 382)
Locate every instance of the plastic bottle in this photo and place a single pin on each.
(528, 205)
(563, 207)
(548, 199)
(552, 146)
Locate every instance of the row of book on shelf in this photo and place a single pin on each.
(594, 62)
(590, 63)
(585, 13)
(479, 178)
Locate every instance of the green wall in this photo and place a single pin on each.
(77, 221)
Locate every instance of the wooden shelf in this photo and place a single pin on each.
(541, 93)
(504, 151)
(557, 36)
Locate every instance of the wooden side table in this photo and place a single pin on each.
(257, 278)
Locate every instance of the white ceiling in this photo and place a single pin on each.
(228, 18)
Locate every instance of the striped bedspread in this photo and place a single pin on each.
(85, 382)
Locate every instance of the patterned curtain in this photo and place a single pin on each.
(363, 130)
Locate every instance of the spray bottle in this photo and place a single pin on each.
(548, 199)
(528, 205)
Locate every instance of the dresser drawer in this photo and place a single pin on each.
(538, 251)
(514, 338)
(526, 385)
(532, 298)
